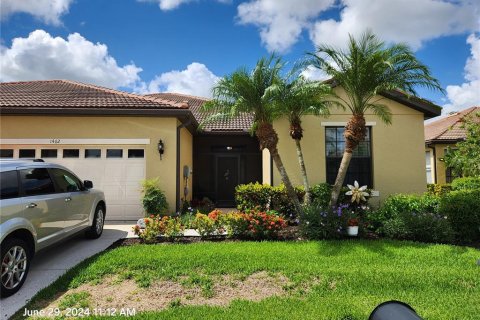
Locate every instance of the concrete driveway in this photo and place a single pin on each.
(53, 262)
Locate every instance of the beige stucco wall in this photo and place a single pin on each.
(96, 127)
(438, 164)
(186, 159)
(398, 150)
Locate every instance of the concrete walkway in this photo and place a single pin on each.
(50, 264)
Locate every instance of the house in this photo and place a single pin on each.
(113, 138)
(439, 136)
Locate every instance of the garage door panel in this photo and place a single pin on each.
(119, 178)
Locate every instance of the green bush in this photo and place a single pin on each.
(320, 223)
(462, 208)
(153, 200)
(321, 194)
(467, 183)
(438, 189)
(265, 197)
(426, 227)
(400, 203)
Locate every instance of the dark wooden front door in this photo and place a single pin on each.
(227, 178)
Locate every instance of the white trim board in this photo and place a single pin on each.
(59, 141)
(341, 123)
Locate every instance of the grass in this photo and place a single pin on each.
(351, 277)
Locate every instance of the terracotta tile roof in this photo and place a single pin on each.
(66, 94)
(449, 128)
(242, 123)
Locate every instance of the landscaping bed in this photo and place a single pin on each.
(272, 280)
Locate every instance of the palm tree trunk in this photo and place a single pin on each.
(306, 185)
(342, 172)
(268, 139)
(286, 181)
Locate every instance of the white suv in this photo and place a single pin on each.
(41, 204)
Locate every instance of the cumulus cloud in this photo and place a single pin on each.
(47, 10)
(312, 73)
(41, 56)
(166, 5)
(467, 94)
(410, 21)
(281, 21)
(196, 80)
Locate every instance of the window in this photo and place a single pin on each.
(36, 182)
(360, 168)
(26, 153)
(449, 175)
(8, 185)
(136, 153)
(428, 166)
(49, 153)
(66, 182)
(114, 153)
(71, 153)
(6, 153)
(93, 153)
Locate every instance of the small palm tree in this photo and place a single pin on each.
(254, 92)
(368, 68)
(297, 98)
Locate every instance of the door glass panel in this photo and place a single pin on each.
(71, 153)
(6, 153)
(36, 181)
(93, 153)
(114, 153)
(26, 153)
(9, 185)
(66, 182)
(136, 153)
(49, 153)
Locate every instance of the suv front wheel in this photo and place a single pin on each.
(15, 264)
(96, 229)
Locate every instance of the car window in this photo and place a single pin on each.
(36, 181)
(66, 182)
(8, 185)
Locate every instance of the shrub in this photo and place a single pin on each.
(262, 224)
(462, 208)
(253, 195)
(265, 197)
(467, 183)
(438, 189)
(400, 203)
(155, 226)
(153, 200)
(321, 194)
(425, 226)
(320, 223)
(208, 225)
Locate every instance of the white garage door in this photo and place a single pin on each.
(116, 170)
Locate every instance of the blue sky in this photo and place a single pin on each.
(185, 45)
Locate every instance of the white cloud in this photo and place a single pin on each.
(410, 21)
(467, 94)
(47, 10)
(312, 73)
(167, 5)
(281, 21)
(41, 56)
(196, 80)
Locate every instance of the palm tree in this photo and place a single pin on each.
(369, 67)
(254, 92)
(299, 97)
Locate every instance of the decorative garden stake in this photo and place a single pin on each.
(358, 193)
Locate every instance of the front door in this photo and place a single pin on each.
(227, 175)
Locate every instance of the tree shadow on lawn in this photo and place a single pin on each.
(384, 247)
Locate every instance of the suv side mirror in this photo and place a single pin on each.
(88, 184)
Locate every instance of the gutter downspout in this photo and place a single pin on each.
(177, 202)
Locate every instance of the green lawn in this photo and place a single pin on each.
(439, 281)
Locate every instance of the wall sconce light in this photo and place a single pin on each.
(229, 148)
(161, 148)
(441, 159)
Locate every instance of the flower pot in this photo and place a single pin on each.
(352, 231)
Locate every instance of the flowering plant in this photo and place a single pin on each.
(150, 228)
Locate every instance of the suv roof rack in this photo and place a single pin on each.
(23, 159)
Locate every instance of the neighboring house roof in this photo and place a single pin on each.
(65, 94)
(242, 123)
(449, 128)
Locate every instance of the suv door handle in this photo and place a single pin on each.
(31, 205)
(68, 199)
